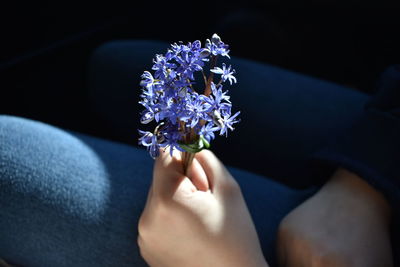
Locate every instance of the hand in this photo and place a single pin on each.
(345, 224)
(201, 221)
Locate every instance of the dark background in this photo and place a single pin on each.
(45, 47)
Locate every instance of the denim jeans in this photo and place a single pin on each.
(69, 199)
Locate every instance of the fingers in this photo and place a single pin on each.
(206, 173)
(214, 169)
(167, 174)
(198, 176)
(164, 162)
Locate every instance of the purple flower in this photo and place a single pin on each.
(195, 109)
(217, 47)
(207, 131)
(148, 80)
(219, 100)
(186, 119)
(162, 67)
(172, 138)
(226, 73)
(189, 60)
(171, 110)
(227, 122)
(150, 141)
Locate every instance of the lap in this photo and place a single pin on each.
(68, 199)
(285, 116)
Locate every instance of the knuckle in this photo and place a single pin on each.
(205, 153)
(231, 187)
(142, 225)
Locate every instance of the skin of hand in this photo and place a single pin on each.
(201, 221)
(346, 224)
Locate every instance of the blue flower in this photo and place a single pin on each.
(171, 109)
(220, 99)
(195, 109)
(151, 111)
(148, 80)
(185, 117)
(172, 137)
(145, 138)
(217, 47)
(207, 131)
(226, 73)
(227, 123)
(162, 67)
(150, 141)
(189, 60)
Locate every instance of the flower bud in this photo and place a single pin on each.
(215, 39)
(196, 44)
(147, 117)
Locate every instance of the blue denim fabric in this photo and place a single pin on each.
(285, 116)
(67, 199)
(371, 147)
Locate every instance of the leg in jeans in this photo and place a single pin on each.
(285, 116)
(67, 199)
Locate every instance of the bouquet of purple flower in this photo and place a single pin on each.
(186, 119)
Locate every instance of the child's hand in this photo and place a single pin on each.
(201, 221)
(346, 224)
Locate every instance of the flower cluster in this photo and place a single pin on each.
(186, 119)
